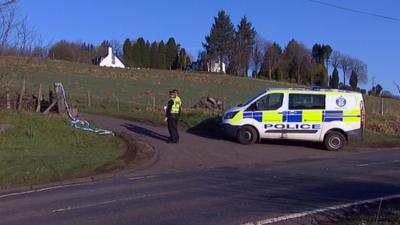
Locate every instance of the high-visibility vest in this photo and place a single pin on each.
(176, 107)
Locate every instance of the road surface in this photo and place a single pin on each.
(211, 181)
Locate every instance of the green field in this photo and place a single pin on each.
(141, 94)
(42, 149)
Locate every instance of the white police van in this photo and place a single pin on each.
(333, 117)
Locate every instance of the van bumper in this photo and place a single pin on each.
(230, 130)
(355, 135)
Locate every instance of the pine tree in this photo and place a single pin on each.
(154, 57)
(171, 53)
(244, 42)
(146, 55)
(334, 79)
(219, 43)
(353, 80)
(162, 55)
(127, 51)
(182, 59)
(139, 51)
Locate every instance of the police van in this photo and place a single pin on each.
(333, 117)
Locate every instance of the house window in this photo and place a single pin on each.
(113, 59)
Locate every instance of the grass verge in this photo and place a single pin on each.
(41, 149)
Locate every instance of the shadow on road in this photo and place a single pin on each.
(145, 131)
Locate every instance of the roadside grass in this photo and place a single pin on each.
(367, 215)
(141, 94)
(42, 149)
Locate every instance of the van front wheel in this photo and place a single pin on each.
(334, 141)
(247, 135)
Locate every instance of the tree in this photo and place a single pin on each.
(376, 90)
(344, 64)
(127, 52)
(397, 86)
(353, 80)
(244, 42)
(162, 55)
(154, 57)
(335, 59)
(295, 53)
(334, 81)
(360, 68)
(272, 59)
(183, 60)
(257, 56)
(138, 52)
(171, 53)
(321, 54)
(220, 41)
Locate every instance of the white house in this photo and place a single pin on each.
(110, 60)
(215, 67)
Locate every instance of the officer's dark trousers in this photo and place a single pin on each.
(173, 128)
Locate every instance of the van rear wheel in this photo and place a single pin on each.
(334, 141)
(247, 135)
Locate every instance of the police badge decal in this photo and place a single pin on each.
(341, 101)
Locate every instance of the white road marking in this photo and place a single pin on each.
(42, 190)
(321, 210)
(141, 178)
(378, 163)
(111, 201)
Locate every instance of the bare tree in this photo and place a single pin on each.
(344, 64)
(335, 59)
(7, 24)
(397, 86)
(257, 58)
(360, 68)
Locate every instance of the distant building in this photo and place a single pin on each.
(110, 60)
(215, 67)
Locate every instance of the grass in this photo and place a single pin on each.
(141, 94)
(367, 215)
(42, 149)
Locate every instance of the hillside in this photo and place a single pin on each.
(133, 92)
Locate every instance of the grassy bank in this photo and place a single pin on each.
(42, 149)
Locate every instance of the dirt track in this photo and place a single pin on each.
(199, 152)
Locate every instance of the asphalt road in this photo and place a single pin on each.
(211, 181)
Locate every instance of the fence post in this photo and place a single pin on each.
(89, 102)
(21, 96)
(8, 103)
(39, 99)
(154, 103)
(381, 106)
(60, 98)
(117, 100)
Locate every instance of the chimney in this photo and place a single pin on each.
(110, 52)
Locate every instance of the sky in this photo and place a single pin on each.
(374, 40)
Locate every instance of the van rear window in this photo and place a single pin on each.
(306, 101)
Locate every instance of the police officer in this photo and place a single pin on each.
(172, 113)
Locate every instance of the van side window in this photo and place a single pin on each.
(269, 102)
(306, 101)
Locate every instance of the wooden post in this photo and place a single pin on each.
(60, 98)
(8, 103)
(21, 96)
(154, 103)
(381, 106)
(89, 102)
(117, 100)
(39, 100)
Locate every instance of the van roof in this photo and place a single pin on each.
(312, 90)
